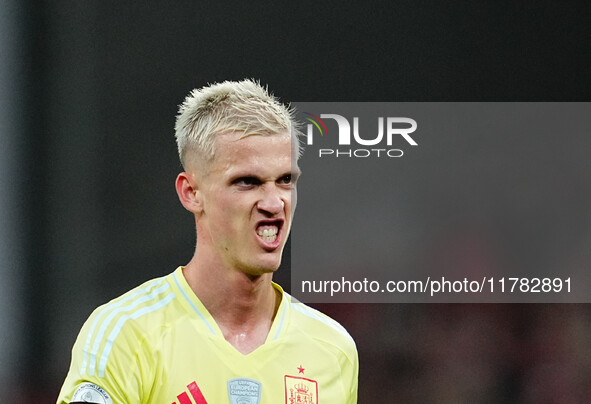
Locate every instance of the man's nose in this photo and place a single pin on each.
(271, 202)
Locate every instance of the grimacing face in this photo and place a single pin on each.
(248, 198)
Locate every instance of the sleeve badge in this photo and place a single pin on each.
(91, 393)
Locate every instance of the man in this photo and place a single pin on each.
(218, 330)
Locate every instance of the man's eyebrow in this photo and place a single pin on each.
(293, 173)
(249, 174)
(244, 174)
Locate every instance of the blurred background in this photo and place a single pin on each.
(88, 96)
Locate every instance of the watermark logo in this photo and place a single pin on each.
(378, 145)
(317, 122)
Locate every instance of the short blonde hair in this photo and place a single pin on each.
(230, 106)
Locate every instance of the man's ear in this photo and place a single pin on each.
(188, 192)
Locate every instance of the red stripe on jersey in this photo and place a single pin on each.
(196, 393)
(184, 399)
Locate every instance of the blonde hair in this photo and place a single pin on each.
(243, 106)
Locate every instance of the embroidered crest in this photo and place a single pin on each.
(244, 391)
(91, 393)
(299, 390)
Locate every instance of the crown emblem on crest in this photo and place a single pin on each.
(302, 388)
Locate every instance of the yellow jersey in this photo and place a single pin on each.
(158, 344)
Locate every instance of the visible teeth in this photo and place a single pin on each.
(268, 233)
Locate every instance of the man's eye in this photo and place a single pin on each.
(286, 179)
(246, 181)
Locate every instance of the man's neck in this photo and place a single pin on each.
(242, 305)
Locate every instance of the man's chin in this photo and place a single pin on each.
(262, 270)
(262, 267)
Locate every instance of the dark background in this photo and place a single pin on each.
(89, 95)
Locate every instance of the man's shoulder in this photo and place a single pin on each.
(135, 307)
(321, 327)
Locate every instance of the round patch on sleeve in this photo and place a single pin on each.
(91, 393)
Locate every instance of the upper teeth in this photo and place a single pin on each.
(268, 232)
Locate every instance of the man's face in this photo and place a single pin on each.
(248, 198)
